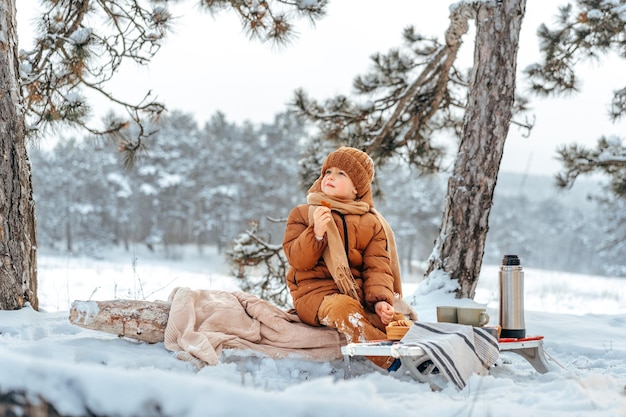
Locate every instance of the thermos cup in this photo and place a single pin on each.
(512, 298)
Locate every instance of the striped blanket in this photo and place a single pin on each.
(457, 350)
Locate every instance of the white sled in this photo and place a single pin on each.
(413, 357)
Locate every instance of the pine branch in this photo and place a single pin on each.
(609, 157)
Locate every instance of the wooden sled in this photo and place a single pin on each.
(411, 357)
(530, 348)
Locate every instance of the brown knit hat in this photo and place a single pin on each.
(357, 164)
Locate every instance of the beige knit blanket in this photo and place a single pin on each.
(202, 323)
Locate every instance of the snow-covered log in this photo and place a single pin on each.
(141, 320)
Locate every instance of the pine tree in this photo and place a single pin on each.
(45, 87)
(18, 243)
(417, 93)
(586, 30)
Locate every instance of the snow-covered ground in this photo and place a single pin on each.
(583, 319)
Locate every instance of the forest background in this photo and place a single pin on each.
(207, 185)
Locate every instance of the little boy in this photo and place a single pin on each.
(341, 272)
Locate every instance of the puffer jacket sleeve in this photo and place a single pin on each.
(377, 275)
(300, 245)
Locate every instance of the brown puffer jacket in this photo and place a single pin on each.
(308, 278)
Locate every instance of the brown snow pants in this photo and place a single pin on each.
(347, 315)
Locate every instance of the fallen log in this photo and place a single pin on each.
(136, 319)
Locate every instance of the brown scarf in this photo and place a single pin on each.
(334, 254)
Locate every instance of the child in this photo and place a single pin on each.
(342, 256)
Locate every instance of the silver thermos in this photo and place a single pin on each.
(512, 298)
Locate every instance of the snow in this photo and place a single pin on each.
(81, 36)
(583, 319)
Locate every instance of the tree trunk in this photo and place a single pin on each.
(68, 228)
(141, 320)
(460, 246)
(18, 247)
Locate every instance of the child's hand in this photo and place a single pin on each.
(321, 217)
(385, 311)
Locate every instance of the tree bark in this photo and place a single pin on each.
(18, 247)
(460, 245)
(141, 320)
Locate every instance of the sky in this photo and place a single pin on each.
(582, 319)
(209, 65)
